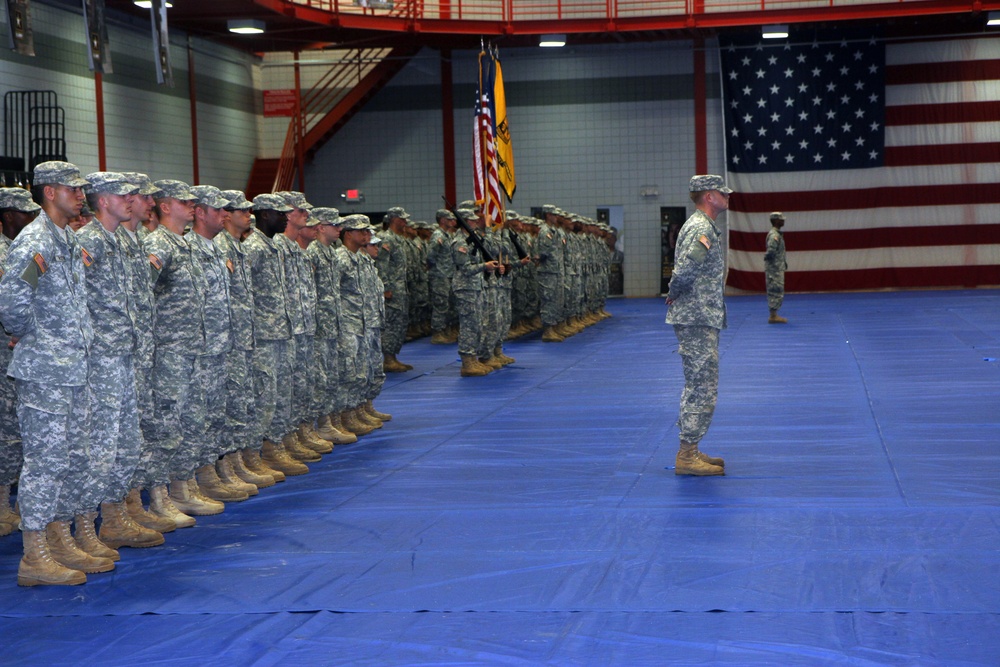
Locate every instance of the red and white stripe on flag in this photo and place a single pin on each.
(929, 217)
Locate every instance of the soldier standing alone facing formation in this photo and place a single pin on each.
(774, 268)
(697, 310)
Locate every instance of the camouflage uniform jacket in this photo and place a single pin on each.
(179, 314)
(374, 292)
(697, 285)
(352, 296)
(300, 286)
(469, 265)
(550, 250)
(327, 272)
(267, 273)
(141, 292)
(392, 262)
(240, 290)
(43, 302)
(439, 258)
(109, 297)
(215, 288)
(774, 257)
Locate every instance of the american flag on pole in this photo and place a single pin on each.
(884, 156)
(486, 152)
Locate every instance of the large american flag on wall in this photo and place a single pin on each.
(884, 157)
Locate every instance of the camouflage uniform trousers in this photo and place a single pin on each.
(242, 426)
(325, 372)
(273, 361)
(775, 280)
(490, 319)
(303, 380)
(210, 372)
(440, 298)
(10, 433)
(115, 438)
(699, 350)
(396, 320)
(504, 311)
(550, 297)
(178, 418)
(376, 373)
(470, 320)
(353, 353)
(55, 429)
(144, 402)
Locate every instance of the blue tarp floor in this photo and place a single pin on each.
(532, 517)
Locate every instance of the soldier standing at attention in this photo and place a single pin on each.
(774, 268)
(440, 270)
(115, 439)
(697, 310)
(392, 266)
(16, 211)
(43, 304)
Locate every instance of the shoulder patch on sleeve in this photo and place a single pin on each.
(463, 249)
(705, 241)
(40, 263)
(155, 261)
(88, 259)
(229, 265)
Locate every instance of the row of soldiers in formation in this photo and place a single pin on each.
(201, 346)
(200, 358)
(479, 287)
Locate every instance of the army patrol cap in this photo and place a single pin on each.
(171, 189)
(237, 200)
(17, 199)
(295, 199)
(355, 222)
(270, 202)
(551, 209)
(703, 182)
(512, 215)
(141, 181)
(467, 214)
(444, 213)
(109, 182)
(58, 173)
(210, 196)
(397, 212)
(777, 215)
(534, 222)
(324, 215)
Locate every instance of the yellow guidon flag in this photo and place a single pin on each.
(505, 150)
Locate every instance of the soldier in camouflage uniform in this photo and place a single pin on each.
(43, 305)
(392, 268)
(274, 346)
(697, 310)
(175, 431)
(140, 291)
(374, 304)
(304, 444)
(17, 210)
(209, 221)
(242, 433)
(441, 268)
(550, 254)
(775, 265)
(468, 283)
(115, 439)
(358, 320)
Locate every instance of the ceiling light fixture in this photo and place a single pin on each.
(245, 26)
(993, 18)
(552, 40)
(776, 31)
(148, 4)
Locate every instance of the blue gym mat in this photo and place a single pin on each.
(533, 517)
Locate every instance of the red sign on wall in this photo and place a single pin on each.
(279, 102)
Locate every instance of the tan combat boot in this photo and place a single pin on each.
(366, 417)
(8, 517)
(471, 368)
(689, 463)
(308, 437)
(215, 488)
(239, 467)
(162, 506)
(192, 504)
(274, 456)
(381, 416)
(37, 567)
(133, 504)
(353, 424)
(551, 336)
(297, 450)
(86, 538)
(501, 357)
(224, 469)
(64, 550)
(775, 318)
(439, 338)
(119, 530)
(328, 430)
(252, 461)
